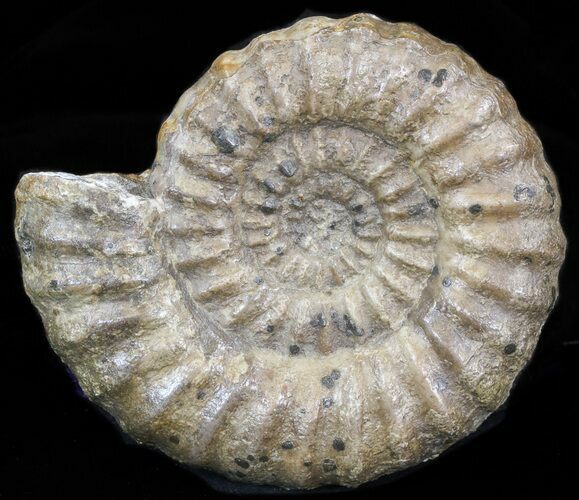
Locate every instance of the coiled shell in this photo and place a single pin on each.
(337, 266)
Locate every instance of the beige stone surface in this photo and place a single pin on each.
(335, 269)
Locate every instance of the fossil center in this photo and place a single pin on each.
(321, 211)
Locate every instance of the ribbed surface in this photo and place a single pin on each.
(343, 257)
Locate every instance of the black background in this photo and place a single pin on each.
(85, 87)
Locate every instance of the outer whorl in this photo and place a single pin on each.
(337, 266)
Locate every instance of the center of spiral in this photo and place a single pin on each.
(318, 226)
(323, 228)
(337, 235)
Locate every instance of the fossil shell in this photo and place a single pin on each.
(337, 266)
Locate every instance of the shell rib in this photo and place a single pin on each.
(337, 266)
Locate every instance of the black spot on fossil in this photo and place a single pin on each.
(268, 121)
(319, 320)
(417, 209)
(201, 394)
(346, 325)
(269, 185)
(510, 349)
(269, 206)
(440, 77)
(527, 259)
(327, 402)
(294, 349)
(338, 444)
(435, 271)
(433, 202)
(279, 251)
(251, 458)
(239, 474)
(288, 168)
(295, 203)
(269, 328)
(263, 458)
(332, 226)
(269, 137)
(307, 463)
(244, 464)
(259, 100)
(53, 284)
(550, 191)
(26, 246)
(328, 465)
(446, 282)
(425, 75)
(351, 327)
(259, 280)
(287, 445)
(174, 439)
(225, 139)
(521, 192)
(328, 381)
(475, 209)
(358, 208)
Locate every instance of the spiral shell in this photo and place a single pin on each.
(337, 266)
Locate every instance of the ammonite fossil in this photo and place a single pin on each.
(339, 262)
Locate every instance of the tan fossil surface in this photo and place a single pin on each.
(338, 264)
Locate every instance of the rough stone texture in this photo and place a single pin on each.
(340, 262)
